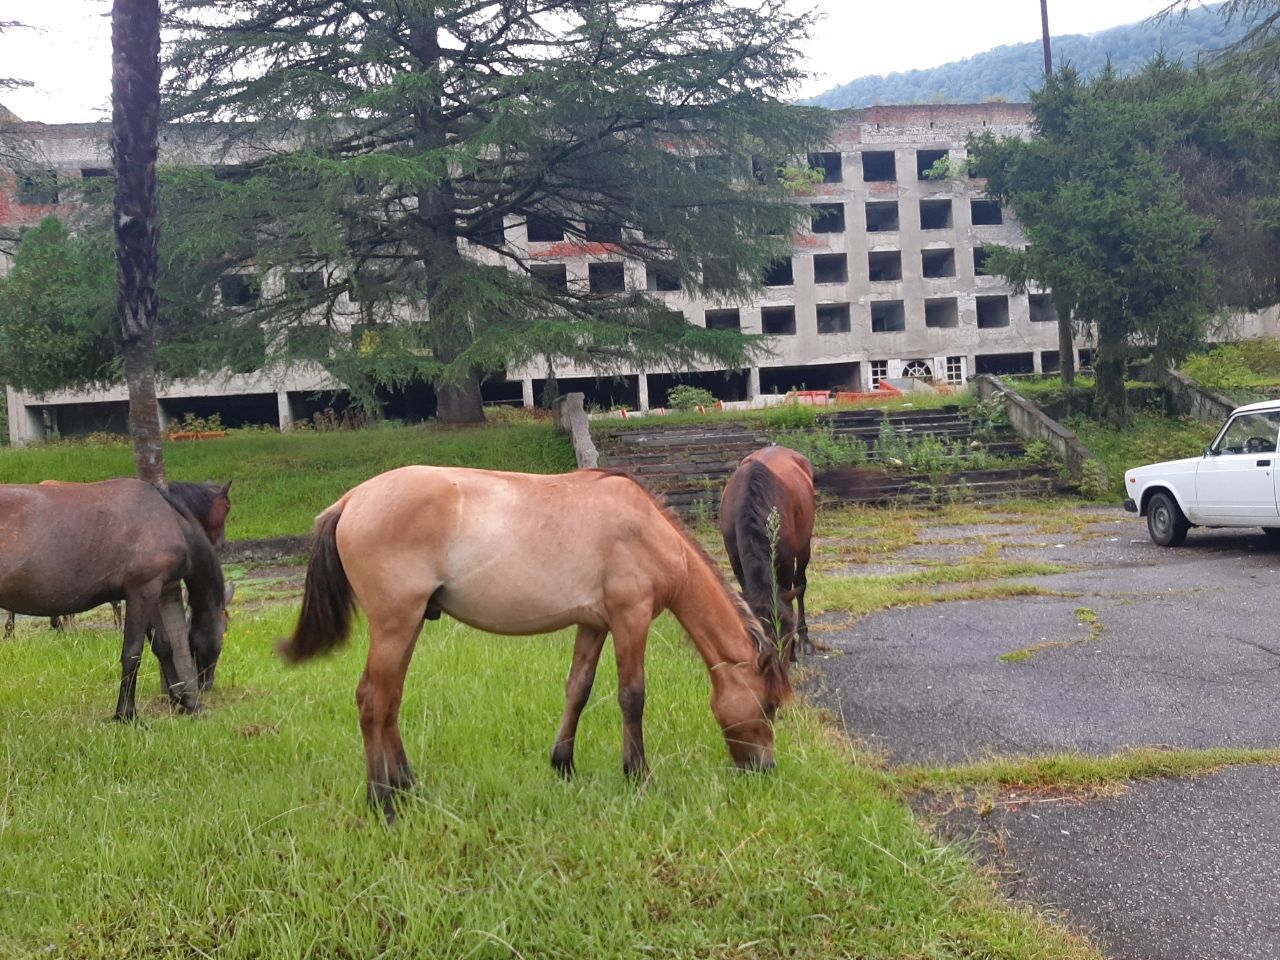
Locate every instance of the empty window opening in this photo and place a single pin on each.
(980, 257)
(827, 217)
(305, 281)
(712, 165)
(935, 214)
(662, 277)
(719, 275)
(779, 274)
(606, 277)
(604, 393)
(778, 321)
(938, 263)
(812, 376)
(1050, 361)
(925, 159)
(879, 373)
(878, 166)
(942, 312)
(723, 319)
(993, 312)
(721, 384)
(955, 369)
(544, 230)
(487, 232)
(831, 268)
(884, 265)
(763, 170)
(1003, 364)
(833, 318)
(37, 186)
(1042, 308)
(598, 232)
(239, 291)
(831, 165)
(986, 213)
(888, 316)
(1086, 360)
(94, 173)
(882, 216)
(553, 276)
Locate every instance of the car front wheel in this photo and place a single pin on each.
(1166, 523)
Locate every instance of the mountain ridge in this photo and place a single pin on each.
(1009, 72)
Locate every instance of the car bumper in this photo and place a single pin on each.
(1130, 505)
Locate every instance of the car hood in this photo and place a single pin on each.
(1164, 469)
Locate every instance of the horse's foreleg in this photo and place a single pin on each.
(163, 650)
(9, 622)
(577, 691)
(140, 607)
(391, 643)
(629, 638)
(170, 625)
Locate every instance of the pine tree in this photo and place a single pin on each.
(382, 148)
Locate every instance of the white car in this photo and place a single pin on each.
(1233, 484)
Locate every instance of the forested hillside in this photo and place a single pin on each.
(1007, 73)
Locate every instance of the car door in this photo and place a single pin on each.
(1235, 482)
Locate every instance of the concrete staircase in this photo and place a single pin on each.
(688, 465)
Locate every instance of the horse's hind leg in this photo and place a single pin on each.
(9, 624)
(802, 582)
(391, 643)
(577, 691)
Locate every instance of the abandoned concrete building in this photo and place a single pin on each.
(888, 282)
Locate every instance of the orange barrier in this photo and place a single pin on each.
(883, 392)
(810, 398)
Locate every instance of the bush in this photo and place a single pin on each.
(685, 397)
(824, 449)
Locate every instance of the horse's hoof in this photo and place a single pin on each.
(192, 708)
(129, 717)
(562, 763)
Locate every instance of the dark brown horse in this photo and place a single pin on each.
(520, 554)
(67, 548)
(770, 565)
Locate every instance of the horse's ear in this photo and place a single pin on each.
(226, 488)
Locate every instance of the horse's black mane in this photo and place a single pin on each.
(752, 528)
(193, 500)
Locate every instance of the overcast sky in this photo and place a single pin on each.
(68, 57)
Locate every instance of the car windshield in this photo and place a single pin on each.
(1249, 433)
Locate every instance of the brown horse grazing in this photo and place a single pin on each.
(68, 548)
(772, 574)
(519, 554)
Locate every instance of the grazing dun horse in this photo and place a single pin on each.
(519, 554)
(66, 548)
(770, 564)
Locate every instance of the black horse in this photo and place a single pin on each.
(66, 548)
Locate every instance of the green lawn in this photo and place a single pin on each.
(244, 833)
(282, 481)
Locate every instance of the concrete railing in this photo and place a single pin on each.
(1189, 399)
(571, 418)
(1031, 423)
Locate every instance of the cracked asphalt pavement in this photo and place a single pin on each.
(1140, 646)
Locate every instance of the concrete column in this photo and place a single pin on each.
(284, 411)
(642, 391)
(753, 383)
(526, 393)
(163, 417)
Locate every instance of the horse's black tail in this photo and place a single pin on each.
(327, 600)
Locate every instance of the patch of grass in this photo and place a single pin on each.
(1086, 615)
(857, 596)
(244, 833)
(281, 481)
(1149, 438)
(1246, 371)
(1078, 770)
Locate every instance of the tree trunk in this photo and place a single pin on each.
(135, 113)
(460, 403)
(1110, 403)
(1066, 349)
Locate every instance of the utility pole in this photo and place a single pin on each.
(1044, 30)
